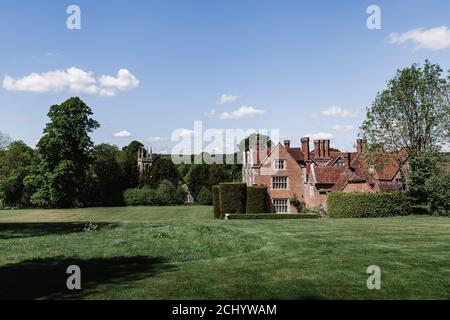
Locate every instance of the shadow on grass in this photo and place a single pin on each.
(23, 230)
(46, 278)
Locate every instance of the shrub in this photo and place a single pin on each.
(272, 216)
(139, 197)
(204, 196)
(216, 201)
(438, 189)
(232, 197)
(367, 205)
(256, 199)
(166, 194)
(297, 204)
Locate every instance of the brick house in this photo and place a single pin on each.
(310, 175)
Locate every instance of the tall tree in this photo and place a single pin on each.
(161, 169)
(64, 156)
(128, 163)
(14, 166)
(105, 178)
(412, 115)
(413, 112)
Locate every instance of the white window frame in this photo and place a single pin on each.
(280, 183)
(280, 205)
(276, 164)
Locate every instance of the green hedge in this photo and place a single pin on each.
(232, 197)
(272, 216)
(367, 205)
(216, 201)
(166, 194)
(256, 199)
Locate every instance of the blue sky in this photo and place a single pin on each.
(304, 67)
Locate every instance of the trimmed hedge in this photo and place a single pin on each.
(232, 197)
(272, 216)
(367, 205)
(216, 201)
(165, 195)
(256, 199)
(139, 197)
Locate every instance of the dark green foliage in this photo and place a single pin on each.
(272, 216)
(367, 205)
(161, 169)
(59, 178)
(203, 175)
(105, 178)
(165, 194)
(297, 204)
(256, 199)
(205, 197)
(14, 167)
(422, 166)
(216, 201)
(128, 163)
(438, 191)
(261, 139)
(232, 197)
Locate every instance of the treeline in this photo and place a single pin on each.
(67, 170)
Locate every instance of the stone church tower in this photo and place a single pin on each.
(144, 159)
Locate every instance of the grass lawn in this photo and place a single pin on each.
(182, 253)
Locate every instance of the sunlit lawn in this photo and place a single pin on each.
(182, 253)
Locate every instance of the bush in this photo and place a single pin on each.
(438, 189)
(232, 197)
(272, 216)
(139, 197)
(367, 205)
(205, 197)
(256, 199)
(166, 194)
(216, 201)
(297, 204)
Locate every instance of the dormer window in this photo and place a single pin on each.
(279, 164)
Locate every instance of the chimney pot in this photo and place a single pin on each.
(287, 144)
(304, 142)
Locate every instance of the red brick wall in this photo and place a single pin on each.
(291, 170)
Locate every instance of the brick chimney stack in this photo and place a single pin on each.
(304, 142)
(326, 148)
(347, 160)
(361, 145)
(287, 144)
(255, 152)
(317, 149)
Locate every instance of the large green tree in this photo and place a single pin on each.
(59, 176)
(14, 166)
(410, 118)
(161, 169)
(413, 112)
(128, 163)
(105, 176)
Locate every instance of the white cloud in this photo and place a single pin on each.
(433, 39)
(123, 133)
(227, 98)
(74, 80)
(124, 81)
(335, 111)
(241, 113)
(342, 127)
(155, 139)
(320, 135)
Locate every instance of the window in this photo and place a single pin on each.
(279, 183)
(280, 205)
(278, 164)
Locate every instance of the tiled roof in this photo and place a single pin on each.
(328, 175)
(296, 153)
